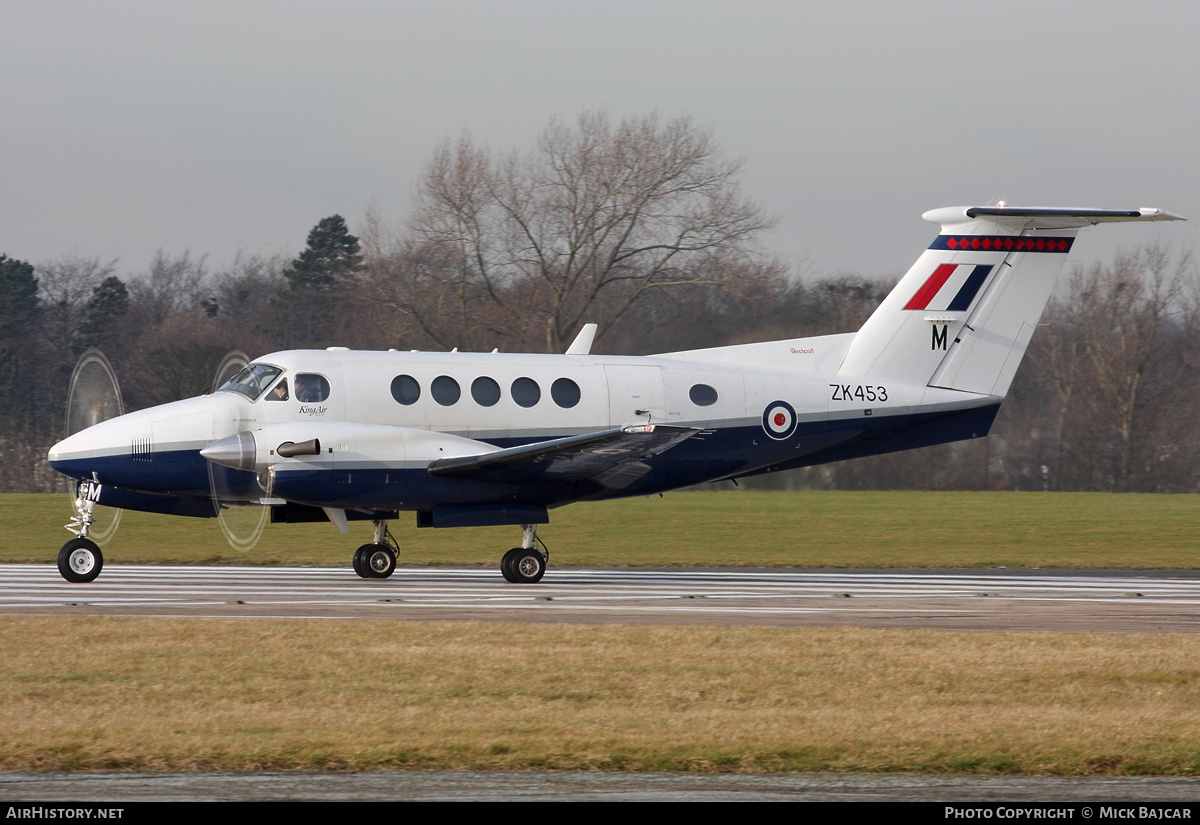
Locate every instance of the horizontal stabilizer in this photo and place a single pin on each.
(1047, 217)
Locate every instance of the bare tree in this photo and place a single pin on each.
(1115, 358)
(66, 285)
(575, 230)
(416, 295)
(246, 296)
(170, 286)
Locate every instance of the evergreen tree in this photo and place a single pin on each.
(18, 387)
(18, 314)
(18, 298)
(331, 253)
(108, 304)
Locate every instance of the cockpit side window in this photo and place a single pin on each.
(311, 388)
(252, 380)
(280, 393)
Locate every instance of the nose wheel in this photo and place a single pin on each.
(80, 561)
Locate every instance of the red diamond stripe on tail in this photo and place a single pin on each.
(993, 243)
(930, 288)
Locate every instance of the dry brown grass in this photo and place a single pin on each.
(128, 693)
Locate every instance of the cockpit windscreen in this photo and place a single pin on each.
(251, 381)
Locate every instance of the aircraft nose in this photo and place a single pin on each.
(71, 448)
(238, 451)
(104, 448)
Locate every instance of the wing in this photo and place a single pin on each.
(614, 458)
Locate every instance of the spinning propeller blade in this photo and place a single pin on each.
(94, 396)
(236, 500)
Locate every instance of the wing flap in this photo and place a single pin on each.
(611, 456)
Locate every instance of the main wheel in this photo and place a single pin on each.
(506, 564)
(80, 560)
(357, 564)
(528, 566)
(378, 561)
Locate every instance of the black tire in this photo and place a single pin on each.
(357, 564)
(528, 566)
(378, 561)
(506, 565)
(80, 561)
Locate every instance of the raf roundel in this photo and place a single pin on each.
(779, 421)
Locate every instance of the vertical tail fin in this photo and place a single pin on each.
(963, 315)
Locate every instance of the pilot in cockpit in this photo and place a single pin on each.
(280, 393)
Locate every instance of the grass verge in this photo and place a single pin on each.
(705, 529)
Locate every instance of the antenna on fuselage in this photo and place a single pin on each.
(582, 345)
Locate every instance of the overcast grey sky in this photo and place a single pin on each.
(224, 126)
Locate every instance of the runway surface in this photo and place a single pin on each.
(590, 786)
(1115, 601)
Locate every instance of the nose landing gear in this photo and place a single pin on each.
(80, 560)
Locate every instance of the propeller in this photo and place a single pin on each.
(236, 500)
(94, 396)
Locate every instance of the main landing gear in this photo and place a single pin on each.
(377, 560)
(80, 559)
(521, 565)
(525, 564)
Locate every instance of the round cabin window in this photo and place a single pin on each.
(405, 390)
(526, 392)
(485, 391)
(702, 395)
(565, 392)
(445, 390)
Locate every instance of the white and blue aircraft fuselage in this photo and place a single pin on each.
(471, 439)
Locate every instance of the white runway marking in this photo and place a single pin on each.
(984, 599)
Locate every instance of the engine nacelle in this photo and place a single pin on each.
(330, 445)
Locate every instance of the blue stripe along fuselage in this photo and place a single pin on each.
(710, 455)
